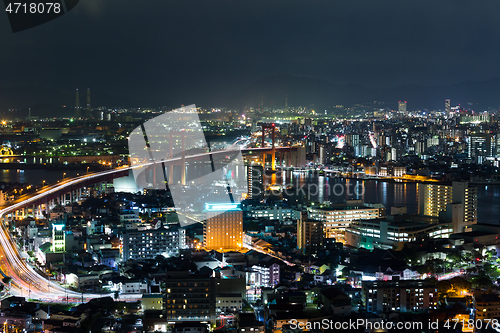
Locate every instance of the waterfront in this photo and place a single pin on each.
(37, 176)
(388, 193)
(375, 191)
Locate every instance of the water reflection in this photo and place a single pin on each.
(388, 193)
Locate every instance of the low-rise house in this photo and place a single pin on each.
(269, 271)
(82, 281)
(152, 302)
(134, 287)
(228, 303)
(487, 306)
(246, 322)
(12, 302)
(17, 319)
(336, 302)
(41, 314)
(194, 327)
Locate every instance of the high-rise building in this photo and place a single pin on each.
(78, 111)
(223, 227)
(58, 238)
(457, 203)
(88, 113)
(189, 297)
(480, 146)
(255, 180)
(402, 106)
(148, 244)
(447, 106)
(309, 235)
(391, 233)
(401, 296)
(268, 272)
(352, 140)
(272, 213)
(487, 306)
(338, 217)
(497, 144)
(476, 118)
(420, 147)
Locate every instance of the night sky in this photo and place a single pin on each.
(150, 49)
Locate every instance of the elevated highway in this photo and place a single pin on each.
(26, 281)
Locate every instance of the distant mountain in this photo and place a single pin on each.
(46, 102)
(24, 97)
(323, 94)
(301, 91)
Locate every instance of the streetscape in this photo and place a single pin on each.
(25, 281)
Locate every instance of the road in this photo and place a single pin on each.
(25, 280)
(260, 250)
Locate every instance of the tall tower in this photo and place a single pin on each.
(286, 102)
(447, 106)
(88, 113)
(402, 106)
(223, 227)
(261, 101)
(255, 180)
(78, 113)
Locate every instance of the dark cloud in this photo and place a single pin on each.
(165, 48)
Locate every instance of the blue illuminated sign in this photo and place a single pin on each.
(217, 207)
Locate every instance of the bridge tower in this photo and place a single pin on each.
(272, 127)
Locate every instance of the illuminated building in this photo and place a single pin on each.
(402, 106)
(481, 146)
(420, 147)
(3, 198)
(268, 273)
(352, 140)
(148, 244)
(488, 306)
(309, 235)
(456, 203)
(223, 227)
(229, 303)
(476, 119)
(399, 295)
(58, 238)
(272, 213)
(255, 179)
(389, 234)
(152, 302)
(338, 217)
(447, 106)
(189, 297)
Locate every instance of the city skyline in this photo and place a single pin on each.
(260, 166)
